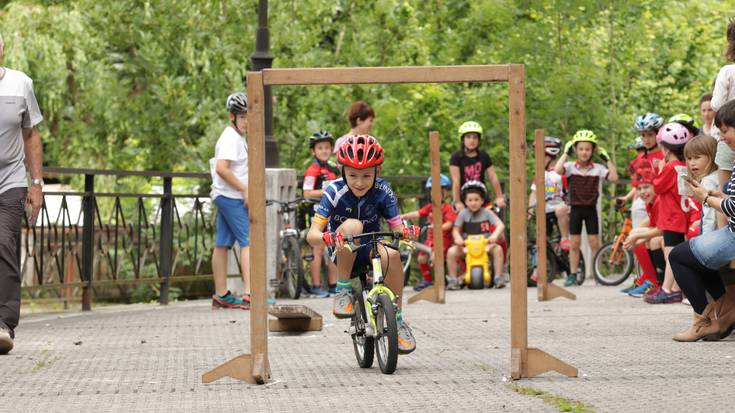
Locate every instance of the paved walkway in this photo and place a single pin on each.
(146, 358)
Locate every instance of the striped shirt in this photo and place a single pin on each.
(585, 184)
(728, 204)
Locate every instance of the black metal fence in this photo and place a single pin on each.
(117, 239)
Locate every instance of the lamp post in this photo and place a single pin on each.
(263, 59)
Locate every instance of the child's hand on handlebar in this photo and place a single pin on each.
(411, 232)
(335, 239)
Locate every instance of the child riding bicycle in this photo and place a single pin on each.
(474, 220)
(356, 204)
(448, 217)
(317, 177)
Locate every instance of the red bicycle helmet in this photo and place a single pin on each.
(360, 152)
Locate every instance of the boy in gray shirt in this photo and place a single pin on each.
(474, 220)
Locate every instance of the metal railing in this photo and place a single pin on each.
(117, 239)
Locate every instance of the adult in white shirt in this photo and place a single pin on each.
(724, 91)
(20, 154)
(229, 169)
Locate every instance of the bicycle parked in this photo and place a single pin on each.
(290, 264)
(557, 259)
(373, 327)
(613, 264)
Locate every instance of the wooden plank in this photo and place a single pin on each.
(295, 324)
(518, 286)
(383, 75)
(292, 311)
(436, 207)
(256, 204)
(540, 362)
(239, 368)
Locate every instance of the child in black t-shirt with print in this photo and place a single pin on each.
(470, 163)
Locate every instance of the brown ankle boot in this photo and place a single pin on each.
(724, 311)
(705, 327)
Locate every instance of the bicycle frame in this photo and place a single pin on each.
(617, 252)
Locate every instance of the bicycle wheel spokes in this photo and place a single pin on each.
(386, 339)
(363, 344)
(612, 265)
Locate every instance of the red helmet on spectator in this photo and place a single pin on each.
(360, 152)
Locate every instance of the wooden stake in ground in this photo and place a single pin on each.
(435, 293)
(545, 290)
(254, 367)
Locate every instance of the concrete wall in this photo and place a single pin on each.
(281, 185)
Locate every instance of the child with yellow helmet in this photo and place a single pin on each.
(584, 179)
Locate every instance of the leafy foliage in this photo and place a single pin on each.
(141, 85)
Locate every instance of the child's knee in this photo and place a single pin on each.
(351, 227)
(561, 211)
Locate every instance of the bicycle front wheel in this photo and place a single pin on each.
(364, 345)
(293, 268)
(611, 266)
(386, 343)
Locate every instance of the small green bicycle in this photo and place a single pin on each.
(374, 327)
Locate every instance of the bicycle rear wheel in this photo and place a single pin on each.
(364, 345)
(293, 268)
(386, 343)
(612, 267)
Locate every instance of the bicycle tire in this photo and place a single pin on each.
(612, 274)
(386, 337)
(582, 275)
(293, 268)
(364, 346)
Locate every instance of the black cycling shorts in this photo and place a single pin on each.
(583, 214)
(672, 239)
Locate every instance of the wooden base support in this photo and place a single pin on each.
(294, 318)
(549, 291)
(245, 367)
(532, 362)
(431, 294)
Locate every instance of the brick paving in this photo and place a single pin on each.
(147, 358)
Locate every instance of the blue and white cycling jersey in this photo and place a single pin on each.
(339, 204)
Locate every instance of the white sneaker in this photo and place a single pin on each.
(6, 342)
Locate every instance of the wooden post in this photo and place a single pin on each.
(525, 362)
(254, 367)
(435, 293)
(545, 290)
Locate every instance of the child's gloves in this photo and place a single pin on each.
(330, 237)
(603, 154)
(569, 148)
(411, 231)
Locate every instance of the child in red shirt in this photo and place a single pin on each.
(316, 178)
(673, 193)
(448, 217)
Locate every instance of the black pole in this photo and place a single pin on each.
(166, 243)
(263, 59)
(88, 202)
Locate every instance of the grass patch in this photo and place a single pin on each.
(45, 361)
(563, 404)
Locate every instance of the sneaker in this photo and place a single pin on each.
(406, 341)
(662, 297)
(6, 341)
(571, 280)
(246, 298)
(229, 301)
(453, 284)
(501, 281)
(655, 291)
(565, 245)
(318, 292)
(333, 290)
(641, 290)
(423, 284)
(343, 307)
(627, 290)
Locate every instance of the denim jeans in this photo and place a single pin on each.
(714, 249)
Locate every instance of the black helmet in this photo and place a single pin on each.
(320, 136)
(237, 103)
(552, 146)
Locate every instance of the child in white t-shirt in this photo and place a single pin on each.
(554, 190)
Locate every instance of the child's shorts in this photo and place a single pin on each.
(361, 261)
(672, 239)
(583, 214)
(233, 222)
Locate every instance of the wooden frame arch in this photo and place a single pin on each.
(525, 361)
